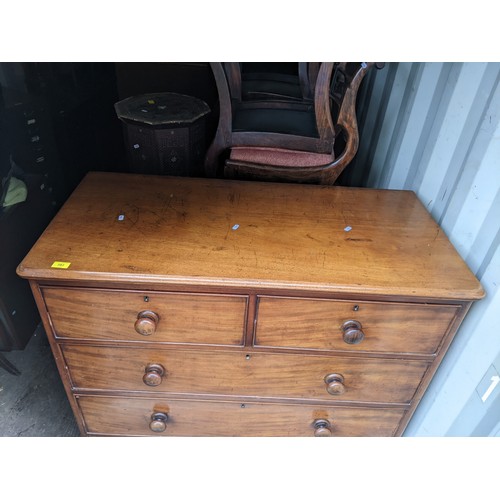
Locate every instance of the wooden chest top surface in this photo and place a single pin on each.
(125, 228)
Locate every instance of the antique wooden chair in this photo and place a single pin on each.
(286, 141)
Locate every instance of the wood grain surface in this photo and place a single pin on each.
(239, 374)
(111, 315)
(120, 416)
(147, 229)
(316, 324)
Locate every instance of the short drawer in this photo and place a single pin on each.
(77, 313)
(333, 324)
(173, 417)
(229, 373)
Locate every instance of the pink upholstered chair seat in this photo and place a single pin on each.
(280, 157)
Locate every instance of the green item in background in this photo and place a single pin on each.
(17, 192)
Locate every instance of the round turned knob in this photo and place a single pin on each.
(158, 422)
(153, 374)
(146, 323)
(353, 334)
(335, 384)
(322, 428)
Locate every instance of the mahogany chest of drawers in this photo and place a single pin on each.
(203, 307)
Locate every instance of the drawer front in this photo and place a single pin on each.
(385, 327)
(240, 374)
(134, 416)
(176, 318)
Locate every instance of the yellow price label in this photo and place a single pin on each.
(150, 101)
(61, 265)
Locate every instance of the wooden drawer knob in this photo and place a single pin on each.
(322, 428)
(158, 422)
(153, 374)
(335, 384)
(353, 334)
(146, 323)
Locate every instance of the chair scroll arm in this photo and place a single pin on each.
(348, 122)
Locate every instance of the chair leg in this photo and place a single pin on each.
(8, 366)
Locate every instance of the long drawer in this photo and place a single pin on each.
(238, 374)
(173, 417)
(331, 324)
(78, 313)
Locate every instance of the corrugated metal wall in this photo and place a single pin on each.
(434, 128)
